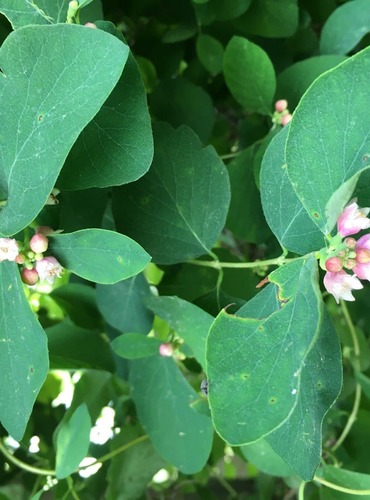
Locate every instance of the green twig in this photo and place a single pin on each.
(356, 365)
(278, 261)
(341, 488)
(301, 490)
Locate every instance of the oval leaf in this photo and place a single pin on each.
(73, 442)
(250, 75)
(186, 189)
(99, 255)
(135, 345)
(23, 353)
(46, 101)
(182, 436)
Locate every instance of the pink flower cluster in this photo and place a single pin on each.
(35, 266)
(348, 255)
(281, 115)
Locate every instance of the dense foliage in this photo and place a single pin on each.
(184, 249)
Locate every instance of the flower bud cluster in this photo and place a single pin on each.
(35, 266)
(347, 260)
(281, 115)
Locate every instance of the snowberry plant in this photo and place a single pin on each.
(184, 248)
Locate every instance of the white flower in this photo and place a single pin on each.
(8, 249)
(48, 269)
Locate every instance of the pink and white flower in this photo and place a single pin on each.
(8, 249)
(353, 219)
(362, 267)
(166, 349)
(341, 284)
(48, 269)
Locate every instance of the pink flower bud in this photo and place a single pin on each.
(29, 276)
(334, 264)
(281, 105)
(341, 284)
(20, 259)
(166, 349)
(9, 249)
(353, 219)
(286, 119)
(48, 269)
(362, 268)
(39, 243)
(350, 264)
(350, 242)
(90, 25)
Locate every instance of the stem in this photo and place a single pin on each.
(230, 155)
(71, 489)
(115, 452)
(278, 261)
(23, 465)
(356, 365)
(49, 472)
(341, 488)
(301, 490)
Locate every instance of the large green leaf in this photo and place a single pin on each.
(253, 365)
(46, 101)
(210, 52)
(270, 18)
(186, 191)
(123, 307)
(73, 441)
(250, 75)
(346, 26)
(162, 397)
(328, 143)
(321, 382)
(99, 255)
(283, 210)
(23, 353)
(188, 320)
(116, 147)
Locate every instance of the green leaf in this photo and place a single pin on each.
(189, 105)
(270, 18)
(23, 353)
(210, 52)
(135, 345)
(186, 189)
(179, 434)
(330, 147)
(130, 472)
(283, 210)
(73, 347)
(256, 390)
(346, 26)
(99, 255)
(345, 478)
(116, 147)
(73, 442)
(123, 304)
(245, 218)
(23, 12)
(265, 458)
(250, 75)
(293, 82)
(218, 10)
(54, 97)
(188, 320)
(321, 383)
(81, 209)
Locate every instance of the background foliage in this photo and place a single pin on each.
(180, 192)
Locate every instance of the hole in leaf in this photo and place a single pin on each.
(245, 376)
(319, 385)
(316, 215)
(40, 117)
(32, 369)
(272, 400)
